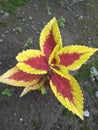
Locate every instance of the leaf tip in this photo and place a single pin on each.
(25, 91)
(81, 117)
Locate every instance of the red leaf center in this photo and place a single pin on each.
(68, 59)
(63, 86)
(20, 75)
(49, 44)
(38, 63)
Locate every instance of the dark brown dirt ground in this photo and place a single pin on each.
(43, 112)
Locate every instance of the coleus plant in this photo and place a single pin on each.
(52, 62)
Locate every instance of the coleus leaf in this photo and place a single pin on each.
(35, 86)
(74, 56)
(32, 61)
(16, 77)
(50, 37)
(54, 58)
(68, 93)
(61, 71)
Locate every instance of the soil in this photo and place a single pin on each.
(35, 111)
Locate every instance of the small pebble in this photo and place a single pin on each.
(86, 113)
(15, 114)
(6, 31)
(85, 26)
(81, 17)
(46, 105)
(93, 73)
(9, 65)
(23, 19)
(25, 123)
(1, 11)
(21, 119)
(89, 38)
(3, 35)
(19, 9)
(96, 94)
(5, 15)
(89, 42)
(1, 40)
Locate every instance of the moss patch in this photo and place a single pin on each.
(10, 5)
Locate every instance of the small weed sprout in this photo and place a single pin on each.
(30, 17)
(43, 90)
(48, 8)
(62, 2)
(18, 29)
(62, 22)
(6, 92)
(75, 1)
(27, 43)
